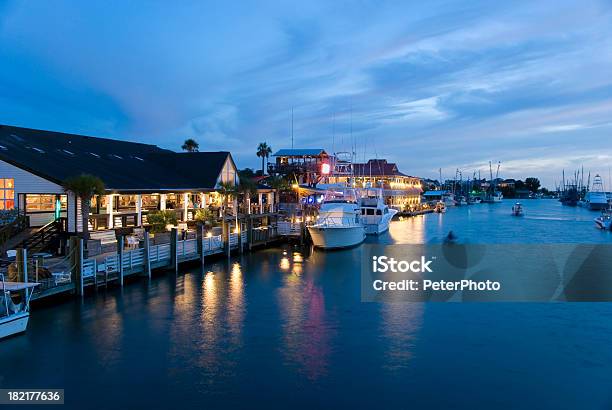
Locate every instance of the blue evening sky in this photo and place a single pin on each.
(426, 84)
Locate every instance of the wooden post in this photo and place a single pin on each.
(200, 236)
(147, 248)
(174, 249)
(76, 245)
(120, 252)
(22, 264)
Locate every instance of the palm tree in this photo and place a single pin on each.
(263, 151)
(85, 186)
(190, 145)
(247, 188)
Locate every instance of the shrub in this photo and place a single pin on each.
(159, 219)
(205, 216)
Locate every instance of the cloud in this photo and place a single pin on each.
(436, 84)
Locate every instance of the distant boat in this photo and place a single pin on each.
(517, 209)
(494, 198)
(604, 221)
(596, 199)
(440, 208)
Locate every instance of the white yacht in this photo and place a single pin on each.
(596, 199)
(14, 317)
(449, 199)
(375, 214)
(339, 223)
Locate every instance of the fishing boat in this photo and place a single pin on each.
(338, 224)
(449, 199)
(14, 317)
(440, 208)
(596, 199)
(517, 209)
(375, 214)
(604, 221)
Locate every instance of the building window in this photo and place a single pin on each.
(7, 193)
(44, 202)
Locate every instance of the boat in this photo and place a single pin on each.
(517, 209)
(440, 208)
(449, 199)
(604, 221)
(493, 198)
(338, 224)
(375, 214)
(596, 199)
(14, 317)
(462, 201)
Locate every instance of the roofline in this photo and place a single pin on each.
(80, 135)
(31, 171)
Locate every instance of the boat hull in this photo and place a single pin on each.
(597, 206)
(336, 237)
(378, 225)
(13, 324)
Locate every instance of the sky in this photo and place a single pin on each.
(429, 85)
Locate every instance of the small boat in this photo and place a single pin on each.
(604, 221)
(14, 317)
(375, 214)
(338, 224)
(440, 208)
(517, 209)
(493, 198)
(449, 199)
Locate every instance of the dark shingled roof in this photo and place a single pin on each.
(123, 166)
(377, 167)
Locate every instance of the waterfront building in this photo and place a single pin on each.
(399, 190)
(138, 178)
(303, 166)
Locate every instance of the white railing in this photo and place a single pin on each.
(158, 253)
(243, 236)
(212, 243)
(89, 268)
(337, 221)
(133, 258)
(288, 228)
(187, 247)
(111, 263)
(233, 239)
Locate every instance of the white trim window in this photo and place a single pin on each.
(7, 193)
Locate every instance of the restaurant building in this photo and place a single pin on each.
(138, 178)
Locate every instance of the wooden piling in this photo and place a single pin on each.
(200, 237)
(21, 260)
(120, 244)
(147, 261)
(174, 249)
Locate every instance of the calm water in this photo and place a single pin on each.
(282, 327)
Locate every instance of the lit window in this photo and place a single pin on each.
(7, 193)
(44, 202)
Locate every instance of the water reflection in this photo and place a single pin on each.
(400, 325)
(306, 338)
(411, 230)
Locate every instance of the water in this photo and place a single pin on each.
(282, 327)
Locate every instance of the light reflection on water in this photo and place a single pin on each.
(287, 324)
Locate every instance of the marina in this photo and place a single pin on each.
(297, 313)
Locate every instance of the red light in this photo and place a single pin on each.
(325, 168)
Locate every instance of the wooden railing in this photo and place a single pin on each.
(46, 236)
(11, 229)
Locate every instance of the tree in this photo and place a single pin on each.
(263, 151)
(279, 184)
(532, 184)
(190, 145)
(85, 186)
